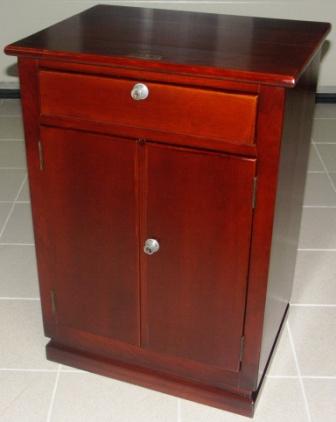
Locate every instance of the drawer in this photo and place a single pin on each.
(167, 108)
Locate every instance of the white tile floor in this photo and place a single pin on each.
(301, 385)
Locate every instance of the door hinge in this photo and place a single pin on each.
(242, 344)
(40, 153)
(254, 192)
(53, 301)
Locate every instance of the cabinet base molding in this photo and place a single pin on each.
(143, 377)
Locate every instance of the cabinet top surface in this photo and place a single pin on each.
(271, 51)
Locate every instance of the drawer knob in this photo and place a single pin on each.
(151, 246)
(139, 92)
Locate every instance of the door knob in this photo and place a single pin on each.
(139, 92)
(151, 246)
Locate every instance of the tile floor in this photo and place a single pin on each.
(301, 385)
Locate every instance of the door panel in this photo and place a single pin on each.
(91, 207)
(198, 206)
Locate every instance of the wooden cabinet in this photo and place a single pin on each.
(167, 177)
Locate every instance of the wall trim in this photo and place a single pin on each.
(325, 98)
(9, 93)
(319, 98)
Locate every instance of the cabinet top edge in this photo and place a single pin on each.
(247, 49)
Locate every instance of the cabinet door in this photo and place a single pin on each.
(198, 206)
(90, 211)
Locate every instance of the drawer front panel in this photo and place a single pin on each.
(168, 108)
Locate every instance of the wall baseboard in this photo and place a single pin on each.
(326, 98)
(9, 93)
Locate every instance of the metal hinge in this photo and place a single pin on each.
(40, 152)
(53, 301)
(254, 192)
(242, 344)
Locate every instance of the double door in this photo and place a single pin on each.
(103, 198)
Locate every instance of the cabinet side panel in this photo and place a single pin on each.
(269, 131)
(292, 175)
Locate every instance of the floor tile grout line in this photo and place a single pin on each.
(16, 202)
(28, 370)
(325, 168)
(5, 115)
(11, 140)
(309, 377)
(313, 305)
(324, 118)
(67, 371)
(316, 250)
(20, 298)
(283, 376)
(13, 168)
(53, 394)
(13, 206)
(10, 114)
(16, 244)
(10, 212)
(21, 187)
(298, 371)
(179, 415)
(319, 206)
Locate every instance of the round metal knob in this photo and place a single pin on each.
(139, 92)
(151, 246)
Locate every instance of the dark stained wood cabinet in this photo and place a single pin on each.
(167, 177)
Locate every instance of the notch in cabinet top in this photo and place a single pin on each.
(270, 51)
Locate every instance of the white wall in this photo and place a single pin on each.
(19, 18)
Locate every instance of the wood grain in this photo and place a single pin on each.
(212, 114)
(194, 287)
(91, 232)
(272, 51)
